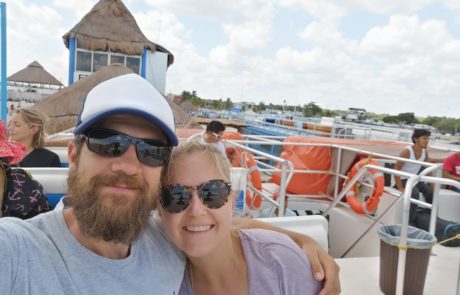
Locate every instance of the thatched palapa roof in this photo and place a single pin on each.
(110, 25)
(34, 73)
(63, 107)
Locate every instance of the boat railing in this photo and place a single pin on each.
(337, 196)
(286, 170)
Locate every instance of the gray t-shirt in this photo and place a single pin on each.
(41, 256)
(276, 266)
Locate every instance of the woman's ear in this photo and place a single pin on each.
(34, 128)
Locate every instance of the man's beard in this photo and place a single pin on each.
(112, 224)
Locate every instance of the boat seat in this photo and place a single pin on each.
(449, 205)
(62, 154)
(314, 226)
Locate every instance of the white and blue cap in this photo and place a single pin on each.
(127, 94)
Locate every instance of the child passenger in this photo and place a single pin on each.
(196, 210)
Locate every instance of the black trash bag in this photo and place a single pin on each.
(444, 229)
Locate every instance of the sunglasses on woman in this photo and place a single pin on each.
(111, 143)
(214, 194)
(217, 136)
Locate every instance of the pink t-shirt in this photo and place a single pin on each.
(452, 164)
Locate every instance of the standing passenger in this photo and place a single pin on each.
(212, 136)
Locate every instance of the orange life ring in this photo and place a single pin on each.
(246, 160)
(379, 182)
(253, 201)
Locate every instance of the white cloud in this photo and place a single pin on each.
(336, 9)
(34, 33)
(77, 7)
(404, 65)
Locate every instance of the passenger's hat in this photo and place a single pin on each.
(127, 94)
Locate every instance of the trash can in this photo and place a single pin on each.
(419, 243)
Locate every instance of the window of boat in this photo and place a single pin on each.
(117, 59)
(83, 61)
(134, 63)
(99, 60)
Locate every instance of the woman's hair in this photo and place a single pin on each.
(34, 117)
(185, 149)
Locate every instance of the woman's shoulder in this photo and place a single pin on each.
(43, 150)
(269, 240)
(41, 157)
(277, 264)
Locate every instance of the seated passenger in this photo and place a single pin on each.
(212, 136)
(27, 127)
(418, 151)
(20, 195)
(196, 210)
(451, 168)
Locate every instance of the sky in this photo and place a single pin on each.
(391, 56)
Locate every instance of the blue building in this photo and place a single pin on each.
(109, 34)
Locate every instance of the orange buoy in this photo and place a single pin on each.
(379, 182)
(246, 160)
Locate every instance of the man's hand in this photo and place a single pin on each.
(323, 266)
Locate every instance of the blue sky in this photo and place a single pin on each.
(388, 56)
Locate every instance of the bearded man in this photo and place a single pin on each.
(102, 237)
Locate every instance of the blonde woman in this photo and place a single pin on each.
(27, 126)
(196, 211)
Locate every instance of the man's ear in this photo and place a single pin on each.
(71, 154)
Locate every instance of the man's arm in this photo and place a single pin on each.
(398, 166)
(323, 266)
(431, 160)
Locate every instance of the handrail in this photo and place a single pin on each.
(287, 171)
(406, 196)
(356, 177)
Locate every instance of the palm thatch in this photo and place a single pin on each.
(34, 73)
(110, 25)
(63, 107)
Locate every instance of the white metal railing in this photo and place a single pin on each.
(406, 196)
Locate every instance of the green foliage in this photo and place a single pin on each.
(390, 119)
(409, 118)
(261, 106)
(312, 109)
(443, 124)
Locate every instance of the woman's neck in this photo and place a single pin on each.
(29, 147)
(223, 271)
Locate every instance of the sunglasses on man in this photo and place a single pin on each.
(111, 143)
(213, 194)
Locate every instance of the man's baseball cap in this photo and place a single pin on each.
(127, 94)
